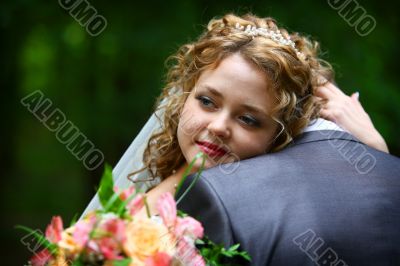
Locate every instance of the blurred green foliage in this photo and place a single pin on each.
(107, 86)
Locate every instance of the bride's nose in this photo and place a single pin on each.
(219, 126)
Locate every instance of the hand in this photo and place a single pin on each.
(348, 113)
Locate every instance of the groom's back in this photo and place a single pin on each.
(313, 203)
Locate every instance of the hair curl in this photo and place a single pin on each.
(293, 81)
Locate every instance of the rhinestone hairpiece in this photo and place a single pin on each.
(276, 36)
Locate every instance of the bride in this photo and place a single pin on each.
(244, 88)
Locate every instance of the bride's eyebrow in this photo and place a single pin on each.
(248, 107)
(212, 91)
(254, 109)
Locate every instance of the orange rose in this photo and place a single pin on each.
(146, 237)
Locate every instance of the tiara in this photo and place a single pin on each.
(274, 35)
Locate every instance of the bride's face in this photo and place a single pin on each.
(226, 114)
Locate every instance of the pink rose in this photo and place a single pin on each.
(189, 226)
(41, 258)
(54, 229)
(126, 193)
(188, 254)
(116, 228)
(82, 230)
(160, 259)
(135, 205)
(166, 207)
(110, 248)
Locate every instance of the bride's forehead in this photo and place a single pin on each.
(237, 66)
(236, 73)
(235, 78)
(236, 96)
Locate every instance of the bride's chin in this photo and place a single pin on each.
(197, 166)
(209, 161)
(212, 162)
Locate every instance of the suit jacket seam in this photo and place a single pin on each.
(223, 206)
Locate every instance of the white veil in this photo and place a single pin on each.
(132, 160)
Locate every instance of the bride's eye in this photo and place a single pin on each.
(205, 101)
(250, 121)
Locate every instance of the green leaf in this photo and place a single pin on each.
(146, 205)
(200, 242)
(113, 205)
(124, 262)
(181, 214)
(77, 262)
(122, 210)
(186, 173)
(217, 255)
(74, 219)
(41, 238)
(106, 190)
(108, 198)
(234, 247)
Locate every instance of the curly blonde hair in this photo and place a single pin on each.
(293, 82)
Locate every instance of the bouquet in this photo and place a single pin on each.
(120, 235)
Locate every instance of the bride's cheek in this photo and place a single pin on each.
(191, 122)
(249, 146)
(187, 125)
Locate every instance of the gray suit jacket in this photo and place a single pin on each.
(327, 199)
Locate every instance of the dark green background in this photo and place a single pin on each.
(106, 86)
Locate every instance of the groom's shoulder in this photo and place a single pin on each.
(328, 144)
(322, 151)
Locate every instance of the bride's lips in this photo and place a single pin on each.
(211, 149)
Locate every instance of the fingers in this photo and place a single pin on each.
(329, 85)
(327, 114)
(334, 89)
(355, 96)
(319, 99)
(325, 93)
(330, 92)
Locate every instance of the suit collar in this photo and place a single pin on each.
(321, 124)
(320, 135)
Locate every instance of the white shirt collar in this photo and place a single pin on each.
(322, 124)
